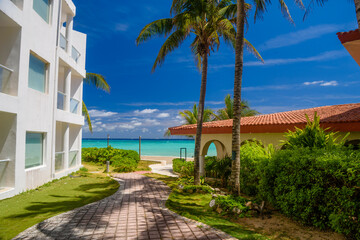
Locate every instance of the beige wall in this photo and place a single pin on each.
(223, 141)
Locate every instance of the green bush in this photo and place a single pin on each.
(197, 188)
(254, 158)
(101, 155)
(312, 136)
(184, 168)
(230, 202)
(123, 164)
(316, 187)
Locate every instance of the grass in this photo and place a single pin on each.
(26, 209)
(144, 165)
(196, 206)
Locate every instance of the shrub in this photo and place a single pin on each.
(317, 187)
(230, 203)
(184, 168)
(196, 188)
(312, 136)
(101, 155)
(123, 164)
(253, 160)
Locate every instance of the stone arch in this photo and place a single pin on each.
(220, 148)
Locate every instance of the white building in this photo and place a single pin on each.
(42, 65)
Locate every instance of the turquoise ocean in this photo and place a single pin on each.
(150, 147)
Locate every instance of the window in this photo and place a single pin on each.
(37, 74)
(34, 149)
(42, 7)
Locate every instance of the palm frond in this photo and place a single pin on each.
(86, 115)
(157, 28)
(98, 81)
(253, 50)
(285, 11)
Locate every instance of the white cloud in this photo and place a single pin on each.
(144, 130)
(300, 36)
(325, 56)
(322, 83)
(184, 103)
(151, 122)
(121, 27)
(146, 111)
(101, 113)
(163, 115)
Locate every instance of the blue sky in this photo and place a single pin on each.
(305, 66)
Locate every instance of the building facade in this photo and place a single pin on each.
(42, 66)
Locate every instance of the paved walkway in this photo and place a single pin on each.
(166, 170)
(135, 211)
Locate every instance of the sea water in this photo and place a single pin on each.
(151, 147)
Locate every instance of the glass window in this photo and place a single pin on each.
(34, 149)
(37, 74)
(42, 7)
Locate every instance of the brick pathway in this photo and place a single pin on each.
(135, 211)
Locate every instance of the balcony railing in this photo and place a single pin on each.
(61, 101)
(74, 106)
(73, 158)
(59, 161)
(63, 41)
(5, 74)
(75, 54)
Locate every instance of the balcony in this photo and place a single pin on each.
(59, 161)
(5, 74)
(73, 155)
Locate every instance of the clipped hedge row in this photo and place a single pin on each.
(316, 187)
(121, 160)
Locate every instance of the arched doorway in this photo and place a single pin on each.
(220, 153)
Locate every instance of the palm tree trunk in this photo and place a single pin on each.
(357, 10)
(239, 49)
(200, 120)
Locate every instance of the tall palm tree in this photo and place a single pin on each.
(99, 82)
(207, 21)
(322, 2)
(260, 7)
(228, 111)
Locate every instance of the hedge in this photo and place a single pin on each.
(184, 168)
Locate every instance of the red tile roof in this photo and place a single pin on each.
(344, 118)
(350, 36)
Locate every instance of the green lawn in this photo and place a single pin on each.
(196, 206)
(93, 167)
(31, 207)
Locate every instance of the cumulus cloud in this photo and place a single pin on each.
(322, 83)
(101, 113)
(146, 111)
(163, 115)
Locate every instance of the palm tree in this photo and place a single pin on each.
(190, 117)
(322, 2)
(228, 111)
(99, 82)
(260, 7)
(207, 21)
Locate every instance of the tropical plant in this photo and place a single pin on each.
(260, 7)
(228, 111)
(207, 21)
(312, 136)
(99, 82)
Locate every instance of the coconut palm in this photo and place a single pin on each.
(228, 111)
(322, 2)
(99, 82)
(190, 117)
(207, 21)
(260, 7)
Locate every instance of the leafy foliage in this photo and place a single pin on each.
(123, 164)
(101, 155)
(219, 168)
(317, 187)
(184, 168)
(312, 136)
(190, 117)
(228, 111)
(230, 202)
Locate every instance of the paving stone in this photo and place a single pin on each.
(136, 211)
